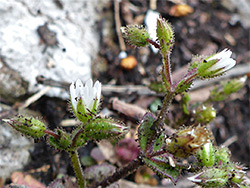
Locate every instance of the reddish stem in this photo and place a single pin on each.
(153, 43)
(52, 134)
(167, 68)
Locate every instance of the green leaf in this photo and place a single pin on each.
(159, 143)
(164, 169)
(146, 131)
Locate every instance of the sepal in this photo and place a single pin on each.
(98, 129)
(211, 177)
(205, 155)
(165, 35)
(216, 64)
(222, 155)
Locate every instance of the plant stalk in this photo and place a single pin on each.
(167, 68)
(120, 173)
(164, 110)
(77, 168)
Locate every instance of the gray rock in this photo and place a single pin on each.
(14, 150)
(74, 25)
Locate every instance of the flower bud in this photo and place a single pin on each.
(238, 176)
(187, 141)
(222, 155)
(165, 35)
(234, 85)
(205, 114)
(28, 126)
(211, 177)
(221, 92)
(205, 155)
(215, 65)
(61, 143)
(85, 99)
(100, 128)
(135, 35)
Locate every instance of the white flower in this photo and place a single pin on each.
(216, 64)
(224, 63)
(88, 94)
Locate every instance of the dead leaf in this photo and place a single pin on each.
(26, 179)
(144, 175)
(180, 10)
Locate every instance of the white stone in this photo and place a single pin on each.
(76, 32)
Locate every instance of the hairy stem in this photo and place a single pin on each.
(52, 134)
(120, 173)
(167, 68)
(77, 168)
(153, 43)
(79, 132)
(164, 110)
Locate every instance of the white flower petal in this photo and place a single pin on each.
(226, 53)
(98, 87)
(88, 93)
(89, 83)
(79, 83)
(73, 95)
(224, 63)
(193, 178)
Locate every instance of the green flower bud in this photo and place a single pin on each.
(187, 141)
(221, 92)
(165, 35)
(237, 175)
(216, 64)
(28, 126)
(99, 128)
(234, 85)
(212, 177)
(185, 102)
(204, 114)
(222, 155)
(205, 155)
(135, 35)
(61, 143)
